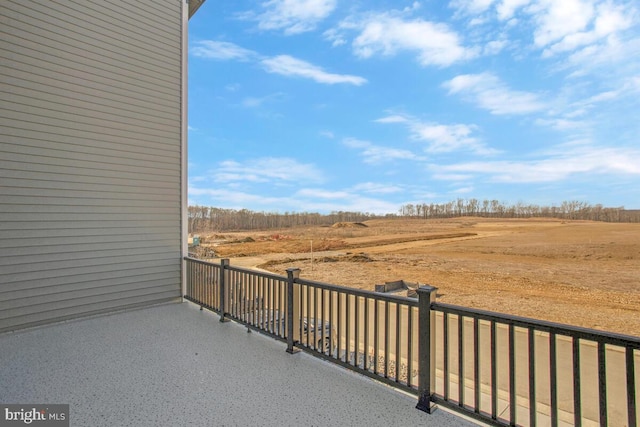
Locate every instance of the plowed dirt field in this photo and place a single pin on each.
(575, 272)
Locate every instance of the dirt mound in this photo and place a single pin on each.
(346, 258)
(348, 224)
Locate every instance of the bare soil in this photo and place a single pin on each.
(581, 273)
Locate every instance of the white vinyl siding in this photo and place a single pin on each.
(90, 157)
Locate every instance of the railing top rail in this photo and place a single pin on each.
(413, 302)
(542, 325)
(240, 269)
(264, 274)
(199, 261)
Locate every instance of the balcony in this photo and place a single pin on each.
(179, 364)
(173, 364)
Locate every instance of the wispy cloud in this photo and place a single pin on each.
(390, 33)
(254, 102)
(441, 138)
(342, 200)
(267, 169)
(571, 24)
(488, 92)
(229, 198)
(291, 16)
(579, 28)
(289, 66)
(221, 50)
(558, 165)
(377, 188)
(375, 154)
(285, 65)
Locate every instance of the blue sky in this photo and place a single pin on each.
(348, 105)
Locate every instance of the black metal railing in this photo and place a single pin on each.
(510, 370)
(372, 333)
(501, 369)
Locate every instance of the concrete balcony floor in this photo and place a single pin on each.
(174, 365)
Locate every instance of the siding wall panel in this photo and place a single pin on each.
(90, 157)
(57, 73)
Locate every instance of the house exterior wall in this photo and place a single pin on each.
(91, 157)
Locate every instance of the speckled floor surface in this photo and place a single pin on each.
(173, 365)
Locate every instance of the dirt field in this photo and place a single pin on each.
(575, 272)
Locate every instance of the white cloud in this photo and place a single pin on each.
(376, 188)
(267, 169)
(220, 50)
(557, 19)
(393, 119)
(289, 66)
(447, 138)
(507, 8)
(390, 33)
(490, 93)
(441, 138)
(254, 102)
(374, 154)
(463, 190)
(569, 25)
(292, 16)
(494, 47)
(561, 124)
(559, 165)
(327, 134)
(285, 65)
(316, 199)
(471, 7)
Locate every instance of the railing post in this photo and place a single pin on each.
(426, 347)
(293, 310)
(222, 289)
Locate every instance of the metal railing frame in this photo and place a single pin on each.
(263, 301)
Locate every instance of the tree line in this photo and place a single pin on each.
(203, 218)
(496, 209)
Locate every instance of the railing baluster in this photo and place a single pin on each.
(366, 364)
(323, 320)
(304, 315)
(445, 351)
(532, 377)
(332, 322)
(267, 305)
(409, 345)
(347, 344)
(577, 401)
(386, 339)
(316, 320)
(356, 361)
(494, 372)
(631, 387)
(460, 361)
(512, 375)
(602, 383)
(376, 339)
(339, 309)
(476, 365)
(398, 342)
(209, 285)
(303, 289)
